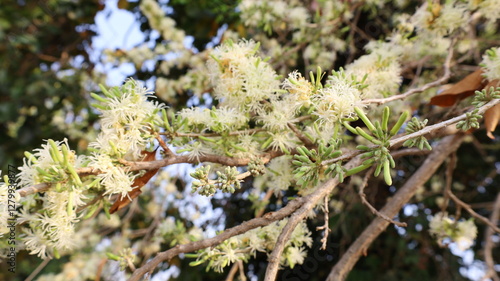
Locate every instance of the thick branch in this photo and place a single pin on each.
(405, 193)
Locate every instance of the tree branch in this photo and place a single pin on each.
(310, 201)
(404, 194)
(444, 78)
(210, 242)
(473, 213)
(423, 132)
(374, 211)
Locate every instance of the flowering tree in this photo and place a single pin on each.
(293, 121)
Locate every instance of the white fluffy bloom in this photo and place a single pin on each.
(463, 233)
(114, 179)
(222, 119)
(467, 234)
(491, 64)
(158, 20)
(42, 160)
(453, 16)
(440, 19)
(490, 9)
(125, 120)
(335, 102)
(196, 116)
(282, 112)
(240, 78)
(293, 256)
(279, 176)
(282, 141)
(382, 70)
(297, 85)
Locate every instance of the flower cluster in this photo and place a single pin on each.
(52, 231)
(381, 68)
(336, 101)
(261, 239)
(463, 233)
(440, 19)
(241, 78)
(128, 119)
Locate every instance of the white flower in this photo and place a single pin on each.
(36, 243)
(297, 85)
(240, 78)
(196, 116)
(279, 176)
(463, 233)
(282, 113)
(114, 179)
(282, 141)
(491, 64)
(490, 9)
(382, 71)
(294, 255)
(126, 119)
(440, 19)
(335, 102)
(467, 232)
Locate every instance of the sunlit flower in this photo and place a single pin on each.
(336, 102)
(241, 79)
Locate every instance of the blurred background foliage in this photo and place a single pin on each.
(46, 74)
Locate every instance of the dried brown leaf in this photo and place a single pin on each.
(464, 88)
(139, 182)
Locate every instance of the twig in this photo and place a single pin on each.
(41, 187)
(311, 200)
(195, 135)
(472, 212)
(210, 242)
(325, 226)
(259, 214)
(100, 267)
(38, 269)
(163, 145)
(307, 142)
(423, 132)
(488, 245)
(152, 165)
(449, 176)
(232, 272)
(374, 211)
(444, 78)
(403, 195)
(242, 270)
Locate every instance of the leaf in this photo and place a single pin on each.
(464, 88)
(492, 115)
(138, 184)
